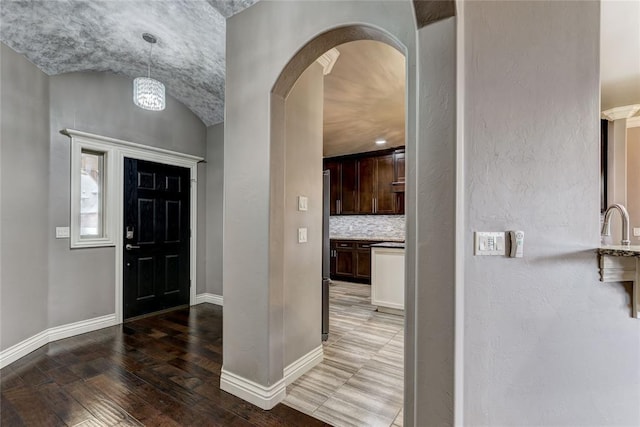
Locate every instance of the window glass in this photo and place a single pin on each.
(91, 194)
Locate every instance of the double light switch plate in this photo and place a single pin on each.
(489, 243)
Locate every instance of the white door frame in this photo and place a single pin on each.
(121, 149)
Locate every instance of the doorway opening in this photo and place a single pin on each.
(345, 115)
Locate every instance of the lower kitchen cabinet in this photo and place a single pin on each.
(351, 260)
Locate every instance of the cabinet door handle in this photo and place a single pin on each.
(339, 206)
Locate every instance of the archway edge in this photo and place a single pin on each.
(321, 43)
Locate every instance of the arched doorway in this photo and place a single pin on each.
(297, 152)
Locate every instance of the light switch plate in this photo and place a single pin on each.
(636, 231)
(302, 235)
(489, 243)
(303, 203)
(62, 232)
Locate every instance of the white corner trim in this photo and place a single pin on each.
(210, 298)
(624, 112)
(254, 393)
(25, 347)
(460, 232)
(633, 122)
(328, 60)
(298, 368)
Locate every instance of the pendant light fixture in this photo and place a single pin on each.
(148, 93)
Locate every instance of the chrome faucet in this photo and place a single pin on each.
(606, 224)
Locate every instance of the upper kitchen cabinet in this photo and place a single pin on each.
(398, 179)
(349, 201)
(367, 183)
(385, 200)
(335, 179)
(398, 165)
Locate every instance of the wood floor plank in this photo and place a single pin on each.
(158, 371)
(30, 408)
(69, 410)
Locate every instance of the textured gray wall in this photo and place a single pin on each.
(81, 281)
(252, 302)
(545, 342)
(303, 177)
(215, 203)
(24, 172)
(433, 326)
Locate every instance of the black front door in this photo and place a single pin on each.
(156, 237)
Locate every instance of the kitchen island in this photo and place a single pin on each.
(387, 276)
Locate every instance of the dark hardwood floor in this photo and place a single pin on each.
(158, 371)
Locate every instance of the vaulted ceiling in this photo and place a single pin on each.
(61, 36)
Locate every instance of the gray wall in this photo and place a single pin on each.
(215, 203)
(633, 181)
(545, 342)
(44, 283)
(435, 201)
(81, 281)
(256, 39)
(24, 172)
(303, 177)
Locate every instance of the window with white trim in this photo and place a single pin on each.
(91, 198)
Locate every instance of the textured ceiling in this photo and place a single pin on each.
(364, 99)
(61, 36)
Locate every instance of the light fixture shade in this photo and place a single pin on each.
(148, 93)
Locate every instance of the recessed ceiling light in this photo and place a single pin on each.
(381, 141)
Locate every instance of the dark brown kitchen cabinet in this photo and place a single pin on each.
(375, 176)
(363, 261)
(398, 165)
(367, 183)
(345, 259)
(335, 182)
(385, 200)
(351, 260)
(349, 201)
(397, 187)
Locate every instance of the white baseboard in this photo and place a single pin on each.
(257, 394)
(210, 298)
(25, 347)
(295, 370)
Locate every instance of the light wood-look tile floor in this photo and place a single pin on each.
(360, 381)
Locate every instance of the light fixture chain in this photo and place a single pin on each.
(149, 61)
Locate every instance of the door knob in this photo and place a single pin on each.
(129, 246)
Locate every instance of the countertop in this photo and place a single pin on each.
(367, 238)
(393, 245)
(619, 250)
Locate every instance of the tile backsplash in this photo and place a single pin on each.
(367, 227)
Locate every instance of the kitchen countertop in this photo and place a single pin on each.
(393, 245)
(367, 238)
(619, 250)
